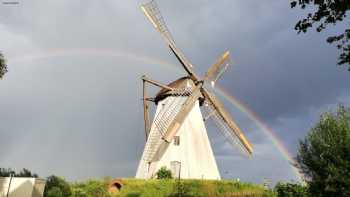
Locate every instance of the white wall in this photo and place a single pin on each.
(22, 187)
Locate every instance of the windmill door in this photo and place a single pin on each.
(175, 167)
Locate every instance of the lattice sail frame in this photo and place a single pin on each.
(224, 129)
(154, 15)
(225, 122)
(216, 71)
(162, 122)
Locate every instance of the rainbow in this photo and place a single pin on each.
(264, 127)
(50, 53)
(45, 54)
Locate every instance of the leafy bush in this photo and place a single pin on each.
(57, 187)
(164, 173)
(54, 192)
(291, 190)
(181, 189)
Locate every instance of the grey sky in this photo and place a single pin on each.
(71, 100)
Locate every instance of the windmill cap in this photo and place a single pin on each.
(182, 83)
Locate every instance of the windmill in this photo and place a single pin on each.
(177, 137)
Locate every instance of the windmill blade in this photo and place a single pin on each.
(181, 116)
(218, 68)
(153, 14)
(227, 126)
(168, 122)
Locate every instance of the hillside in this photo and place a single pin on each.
(133, 187)
(169, 187)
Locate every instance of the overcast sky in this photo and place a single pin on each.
(70, 103)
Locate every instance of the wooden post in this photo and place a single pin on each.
(145, 110)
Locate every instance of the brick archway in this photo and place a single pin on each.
(115, 186)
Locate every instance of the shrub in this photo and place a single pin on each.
(181, 189)
(164, 173)
(56, 187)
(55, 192)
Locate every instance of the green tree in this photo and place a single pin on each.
(26, 173)
(327, 12)
(324, 155)
(56, 187)
(291, 190)
(3, 65)
(164, 173)
(6, 172)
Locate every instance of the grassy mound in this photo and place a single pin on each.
(168, 188)
(188, 188)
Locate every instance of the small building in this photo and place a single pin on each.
(21, 187)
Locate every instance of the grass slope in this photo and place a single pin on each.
(188, 188)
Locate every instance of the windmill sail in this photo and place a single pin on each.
(153, 14)
(168, 121)
(180, 117)
(227, 126)
(216, 70)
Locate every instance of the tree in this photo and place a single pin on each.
(291, 190)
(324, 155)
(327, 12)
(26, 173)
(164, 173)
(6, 172)
(3, 66)
(56, 187)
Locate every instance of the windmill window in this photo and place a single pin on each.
(176, 140)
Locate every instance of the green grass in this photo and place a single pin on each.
(171, 187)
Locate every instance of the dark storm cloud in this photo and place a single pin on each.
(81, 116)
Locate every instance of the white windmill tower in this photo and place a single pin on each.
(177, 137)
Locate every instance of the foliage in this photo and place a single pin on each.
(6, 172)
(90, 188)
(187, 188)
(55, 192)
(3, 66)
(180, 189)
(164, 173)
(327, 12)
(56, 187)
(291, 190)
(324, 155)
(133, 194)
